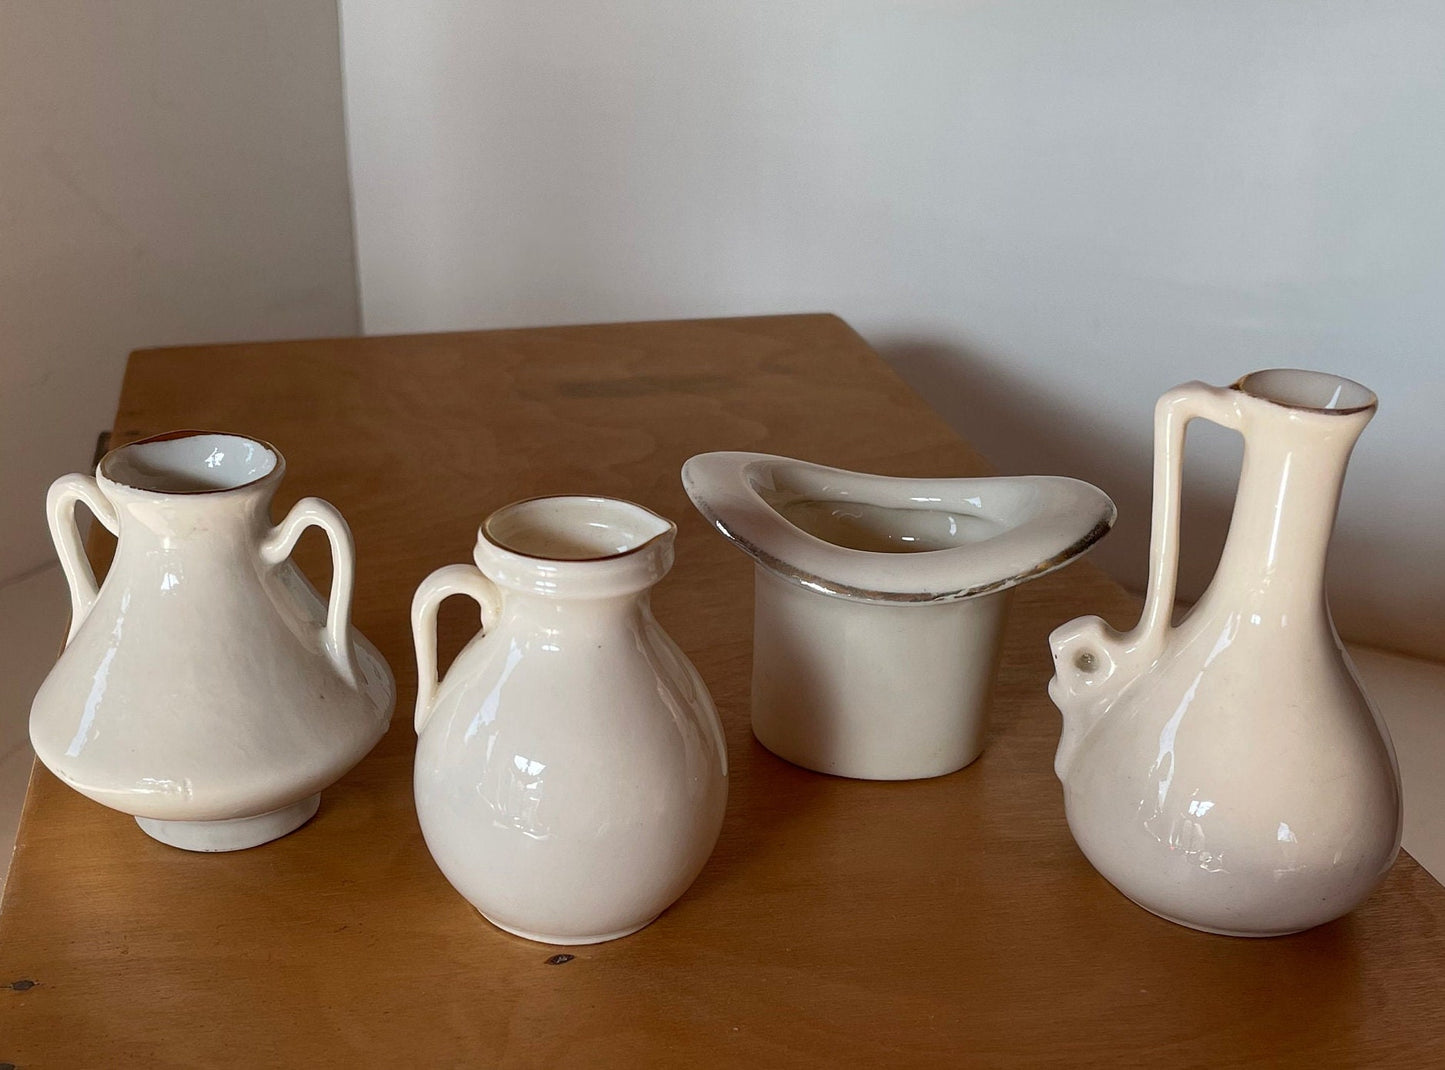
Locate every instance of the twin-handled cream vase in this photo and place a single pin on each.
(205, 687)
(571, 770)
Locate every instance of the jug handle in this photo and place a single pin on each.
(65, 533)
(1172, 416)
(434, 590)
(315, 512)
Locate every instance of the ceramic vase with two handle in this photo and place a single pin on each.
(205, 687)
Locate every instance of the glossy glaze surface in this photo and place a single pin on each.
(879, 601)
(1229, 773)
(571, 772)
(205, 681)
(837, 923)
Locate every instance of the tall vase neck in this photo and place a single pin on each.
(191, 485)
(231, 518)
(1284, 512)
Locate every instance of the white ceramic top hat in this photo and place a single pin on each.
(889, 539)
(877, 608)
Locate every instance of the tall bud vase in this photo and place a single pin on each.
(1228, 773)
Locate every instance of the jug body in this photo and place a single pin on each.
(571, 771)
(1228, 773)
(205, 687)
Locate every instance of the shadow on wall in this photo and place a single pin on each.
(1022, 430)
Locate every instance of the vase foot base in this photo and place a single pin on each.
(1213, 931)
(232, 834)
(569, 941)
(864, 770)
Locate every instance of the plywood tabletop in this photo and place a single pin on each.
(948, 922)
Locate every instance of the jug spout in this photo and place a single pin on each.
(1090, 669)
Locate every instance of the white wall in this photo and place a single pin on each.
(1045, 213)
(171, 171)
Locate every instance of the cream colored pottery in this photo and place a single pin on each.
(1228, 773)
(571, 772)
(205, 687)
(879, 601)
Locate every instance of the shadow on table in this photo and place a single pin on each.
(1023, 427)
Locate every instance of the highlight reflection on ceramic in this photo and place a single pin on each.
(1229, 773)
(571, 771)
(880, 600)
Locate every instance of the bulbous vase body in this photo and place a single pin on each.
(571, 771)
(1229, 773)
(205, 687)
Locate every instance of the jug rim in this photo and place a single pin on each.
(1289, 385)
(105, 468)
(553, 551)
(488, 533)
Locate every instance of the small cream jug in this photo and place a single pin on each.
(205, 687)
(571, 772)
(1229, 773)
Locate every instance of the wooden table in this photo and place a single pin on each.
(839, 922)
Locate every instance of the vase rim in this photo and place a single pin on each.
(170, 465)
(1304, 390)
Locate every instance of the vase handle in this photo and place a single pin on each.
(65, 533)
(434, 590)
(1172, 416)
(315, 512)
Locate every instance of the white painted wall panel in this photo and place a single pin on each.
(171, 171)
(1045, 213)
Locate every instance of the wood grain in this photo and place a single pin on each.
(839, 922)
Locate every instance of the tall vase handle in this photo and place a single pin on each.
(434, 590)
(314, 512)
(65, 533)
(1172, 416)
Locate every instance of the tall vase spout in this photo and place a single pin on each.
(1295, 458)
(1093, 664)
(1085, 680)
